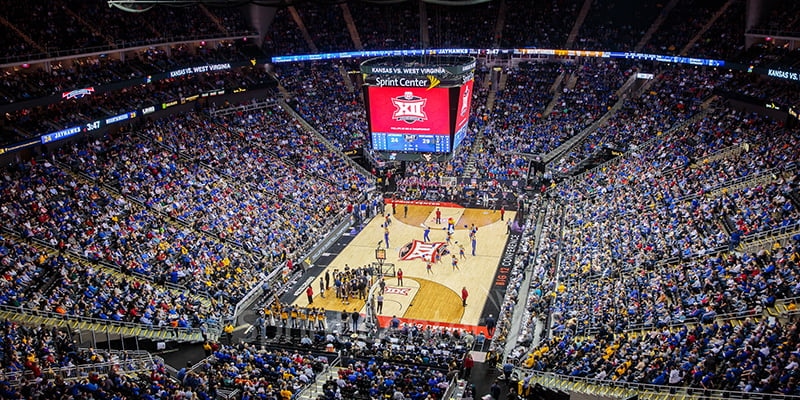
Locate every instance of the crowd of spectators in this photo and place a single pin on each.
(116, 383)
(387, 26)
(528, 88)
(85, 219)
(588, 92)
(73, 27)
(553, 21)
(674, 227)
(36, 281)
(284, 37)
(32, 121)
(370, 380)
(778, 19)
(416, 362)
(258, 373)
(684, 21)
(659, 185)
(43, 202)
(330, 104)
(50, 27)
(27, 351)
(473, 26)
(41, 362)
(15, 48)
(211, 203)
(33, 83)
(325, 23)
(674, 96)
(755, 355)
(246, 196)
(617, 25)
(725, 38)
(330, 182)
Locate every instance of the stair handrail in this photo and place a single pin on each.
(211, 326)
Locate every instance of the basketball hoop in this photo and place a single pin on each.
(380, 255)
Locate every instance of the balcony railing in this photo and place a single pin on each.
(52, 53)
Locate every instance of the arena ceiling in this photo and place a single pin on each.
(145, 5)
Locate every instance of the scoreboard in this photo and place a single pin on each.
(411, 116)
(410, 142)
(409, 119)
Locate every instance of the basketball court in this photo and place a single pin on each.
(427, 297)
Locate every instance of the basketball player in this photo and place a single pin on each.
(473, 241)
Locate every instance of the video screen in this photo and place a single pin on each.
(409, 119)
(464, 104)
(422, 143)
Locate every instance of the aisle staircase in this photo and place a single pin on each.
(214, 19)
(319, 136)
(312, 392)
(351, 26)
(345, 77)
(501, 85)
(21, 34)
(565, 147)
(501, 22)
(490, 98)
(109, 327)
(471, 170)
(300, 25)
(92, 28)
(503, 81)
(573, 34)
(655, 25)
(572, 80)
(554, 88)
(706, 27)
(425, 35)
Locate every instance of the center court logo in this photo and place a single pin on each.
(402, 291)
(422, 250)
(409, 108)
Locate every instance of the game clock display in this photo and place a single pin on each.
(422, 143)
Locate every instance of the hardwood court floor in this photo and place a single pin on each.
(436, 296)
(435, 302)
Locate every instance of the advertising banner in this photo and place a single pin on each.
(464, 104)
